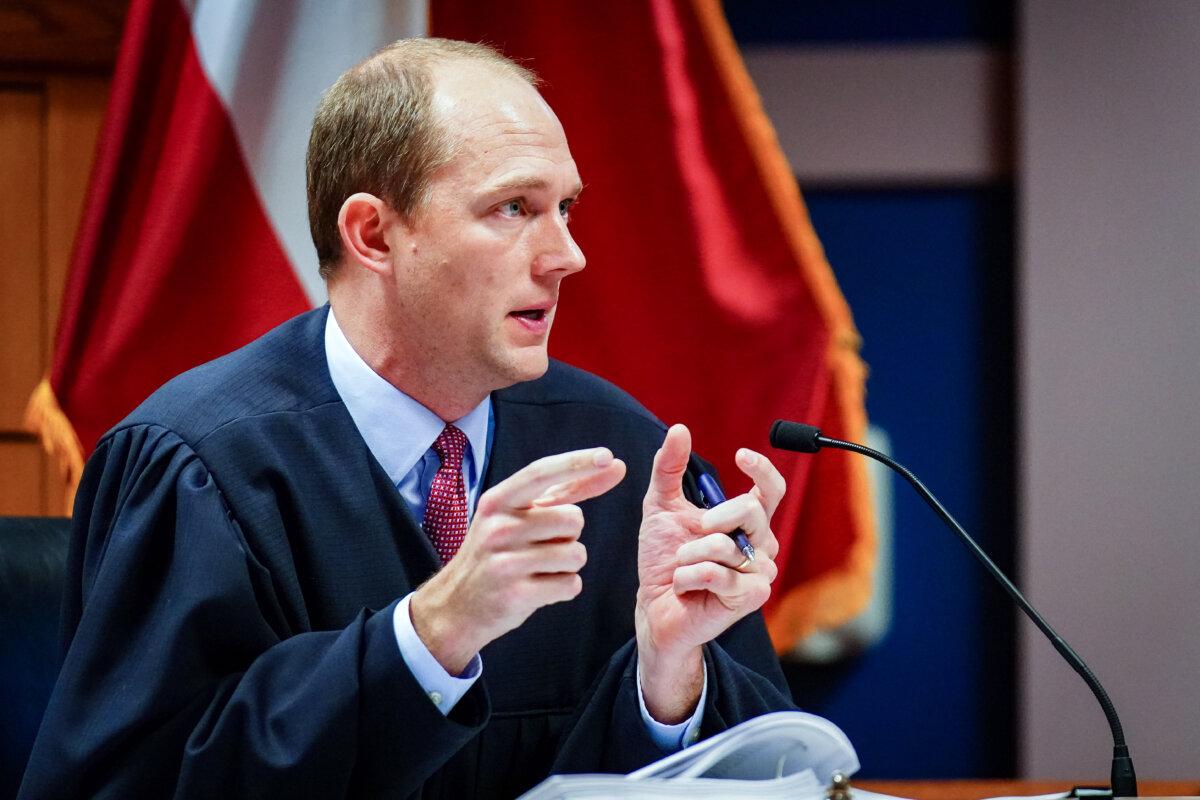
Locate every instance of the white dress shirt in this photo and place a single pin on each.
(400, 433)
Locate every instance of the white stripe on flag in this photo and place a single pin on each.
(269, 62)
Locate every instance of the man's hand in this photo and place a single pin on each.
(690, 588)
(521, 552)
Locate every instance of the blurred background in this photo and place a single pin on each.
(1008, 193)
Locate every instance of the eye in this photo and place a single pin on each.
(510, 208)
(564, 208)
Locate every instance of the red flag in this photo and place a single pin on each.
(707, 294)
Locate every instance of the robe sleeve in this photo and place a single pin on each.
(181, 674)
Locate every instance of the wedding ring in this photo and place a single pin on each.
(742, 566)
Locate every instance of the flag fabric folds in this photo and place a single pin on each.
(194, 234)
(707, 294)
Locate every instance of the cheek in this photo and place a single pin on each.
(478, 271)
(485, 280)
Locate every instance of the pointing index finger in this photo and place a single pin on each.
(523, 487)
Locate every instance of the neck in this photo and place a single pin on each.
(403, 364)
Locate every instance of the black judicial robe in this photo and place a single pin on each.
(236, 558)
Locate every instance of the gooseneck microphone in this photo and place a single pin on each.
(802, 438)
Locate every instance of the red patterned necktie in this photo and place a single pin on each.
(446, 507)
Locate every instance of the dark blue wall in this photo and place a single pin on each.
(928, 276)
(870, 21)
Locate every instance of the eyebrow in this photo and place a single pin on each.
(528, 184)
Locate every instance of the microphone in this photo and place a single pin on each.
(801, 438)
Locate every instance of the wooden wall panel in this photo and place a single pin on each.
(21, 479)
(56, 61)
(21, 228)
(22, 471)
(48, 129)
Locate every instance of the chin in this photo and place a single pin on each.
(528, 365)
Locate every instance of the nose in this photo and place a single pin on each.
(557, 252)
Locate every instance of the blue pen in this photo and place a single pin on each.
(713, 496)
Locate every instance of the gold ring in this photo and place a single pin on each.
(742, 566)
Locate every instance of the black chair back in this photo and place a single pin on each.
(33, 554)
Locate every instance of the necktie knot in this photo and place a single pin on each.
(450, 445)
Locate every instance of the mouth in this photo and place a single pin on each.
(532, 314)
(534, 319)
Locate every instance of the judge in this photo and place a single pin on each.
(390, 549)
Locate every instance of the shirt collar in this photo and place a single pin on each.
(397, 429)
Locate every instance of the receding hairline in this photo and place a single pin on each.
(438, 60)
(428, 53)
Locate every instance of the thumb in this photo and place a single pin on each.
(670, 463)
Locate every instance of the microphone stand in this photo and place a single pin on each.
(808, 439)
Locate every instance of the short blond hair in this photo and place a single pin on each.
(375, 131)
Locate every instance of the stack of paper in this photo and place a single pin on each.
(789, 754)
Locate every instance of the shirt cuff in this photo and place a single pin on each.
(443, 689)
(674, 737)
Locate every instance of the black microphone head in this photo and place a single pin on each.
(795, 436)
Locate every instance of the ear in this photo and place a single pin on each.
(363, 223)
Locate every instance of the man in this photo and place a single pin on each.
(276, 590)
